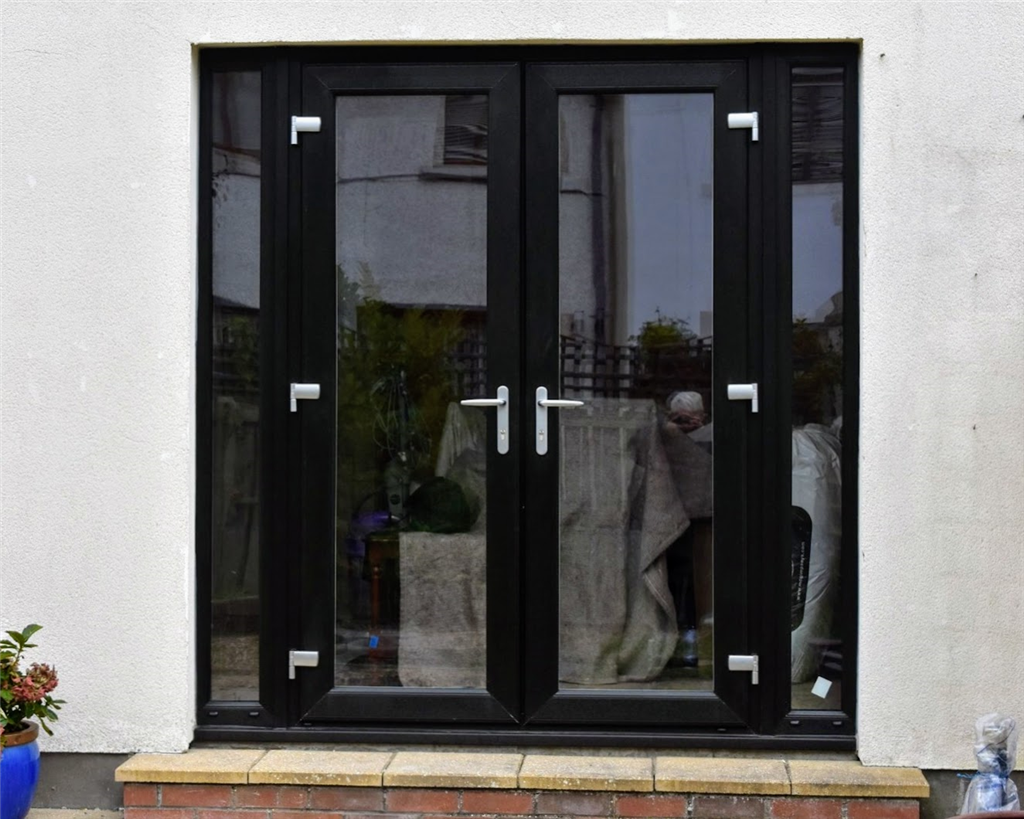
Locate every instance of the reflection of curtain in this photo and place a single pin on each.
(465, 430)
(442, 641)
(619, 512)
(235, 499)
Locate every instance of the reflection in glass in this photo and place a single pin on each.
(817, 398)
(411, 493)
(236, 385)
(636, 332)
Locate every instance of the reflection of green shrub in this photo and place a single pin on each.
(395, 381)
(243, 347)
(659, 335)
(817, 374)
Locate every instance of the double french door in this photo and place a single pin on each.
(524, 297)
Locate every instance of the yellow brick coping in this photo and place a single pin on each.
(705, 774)
(666, 773)
(831, 778)
(586, 773)
(200, 766)
(426, 769)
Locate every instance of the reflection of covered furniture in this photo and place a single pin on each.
(619, 512)
(443, 611)
(817, 489)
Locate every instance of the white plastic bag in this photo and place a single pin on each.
(995, 745)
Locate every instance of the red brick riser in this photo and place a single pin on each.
(150, 801)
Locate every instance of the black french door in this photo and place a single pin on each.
(523, 490)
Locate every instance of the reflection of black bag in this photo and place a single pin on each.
(440, 505)
(800, 565)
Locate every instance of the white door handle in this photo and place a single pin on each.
(501, 402)
(543, 402)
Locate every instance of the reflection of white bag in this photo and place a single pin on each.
(817, 489)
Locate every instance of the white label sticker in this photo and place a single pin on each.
(821, 687)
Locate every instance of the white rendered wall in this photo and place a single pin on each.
(98, 335)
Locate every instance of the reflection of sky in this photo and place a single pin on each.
(817, 248)
(668, 175)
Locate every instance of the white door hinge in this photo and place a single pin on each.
(306, 125)
(745, 120)
(743, 392)
(303, 659)
(306, 392)
(745, 662)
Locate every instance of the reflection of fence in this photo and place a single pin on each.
(594, 369)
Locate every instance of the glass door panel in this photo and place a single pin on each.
(636, 231)
(409, 497)
(636, 331)
(411, 199)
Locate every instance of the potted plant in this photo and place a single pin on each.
(24, 695)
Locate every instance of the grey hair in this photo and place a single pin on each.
(685, 402)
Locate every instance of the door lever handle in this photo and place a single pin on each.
(543, 403)
(501, 402)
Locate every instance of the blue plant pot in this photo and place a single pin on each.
(19, 772)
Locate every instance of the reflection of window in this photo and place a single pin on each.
(465, 130)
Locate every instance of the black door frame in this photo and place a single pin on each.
(768, 256)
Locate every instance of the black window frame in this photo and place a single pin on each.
(769, 69)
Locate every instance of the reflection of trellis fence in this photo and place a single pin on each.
(594, 369)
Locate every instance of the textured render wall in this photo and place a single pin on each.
(98, 329)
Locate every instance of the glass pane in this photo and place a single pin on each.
(412, 310)
(817, 399)
(635, 292)
(236, 386)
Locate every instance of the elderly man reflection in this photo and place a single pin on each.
(687, 438)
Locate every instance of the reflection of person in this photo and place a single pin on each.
(687, 440)
(686, 411)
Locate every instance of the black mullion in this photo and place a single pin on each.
(276, 597)
(291, 548)
(540, 344)
(779, 201)
(270, 341)
(204, 392)
(762, 548)
(503, 578)
(736, 425)
(850, 564)
(317, 420)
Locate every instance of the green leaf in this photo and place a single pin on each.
(30, 629)
(6, 695)
(17, 637)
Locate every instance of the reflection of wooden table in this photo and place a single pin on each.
(380, 547)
